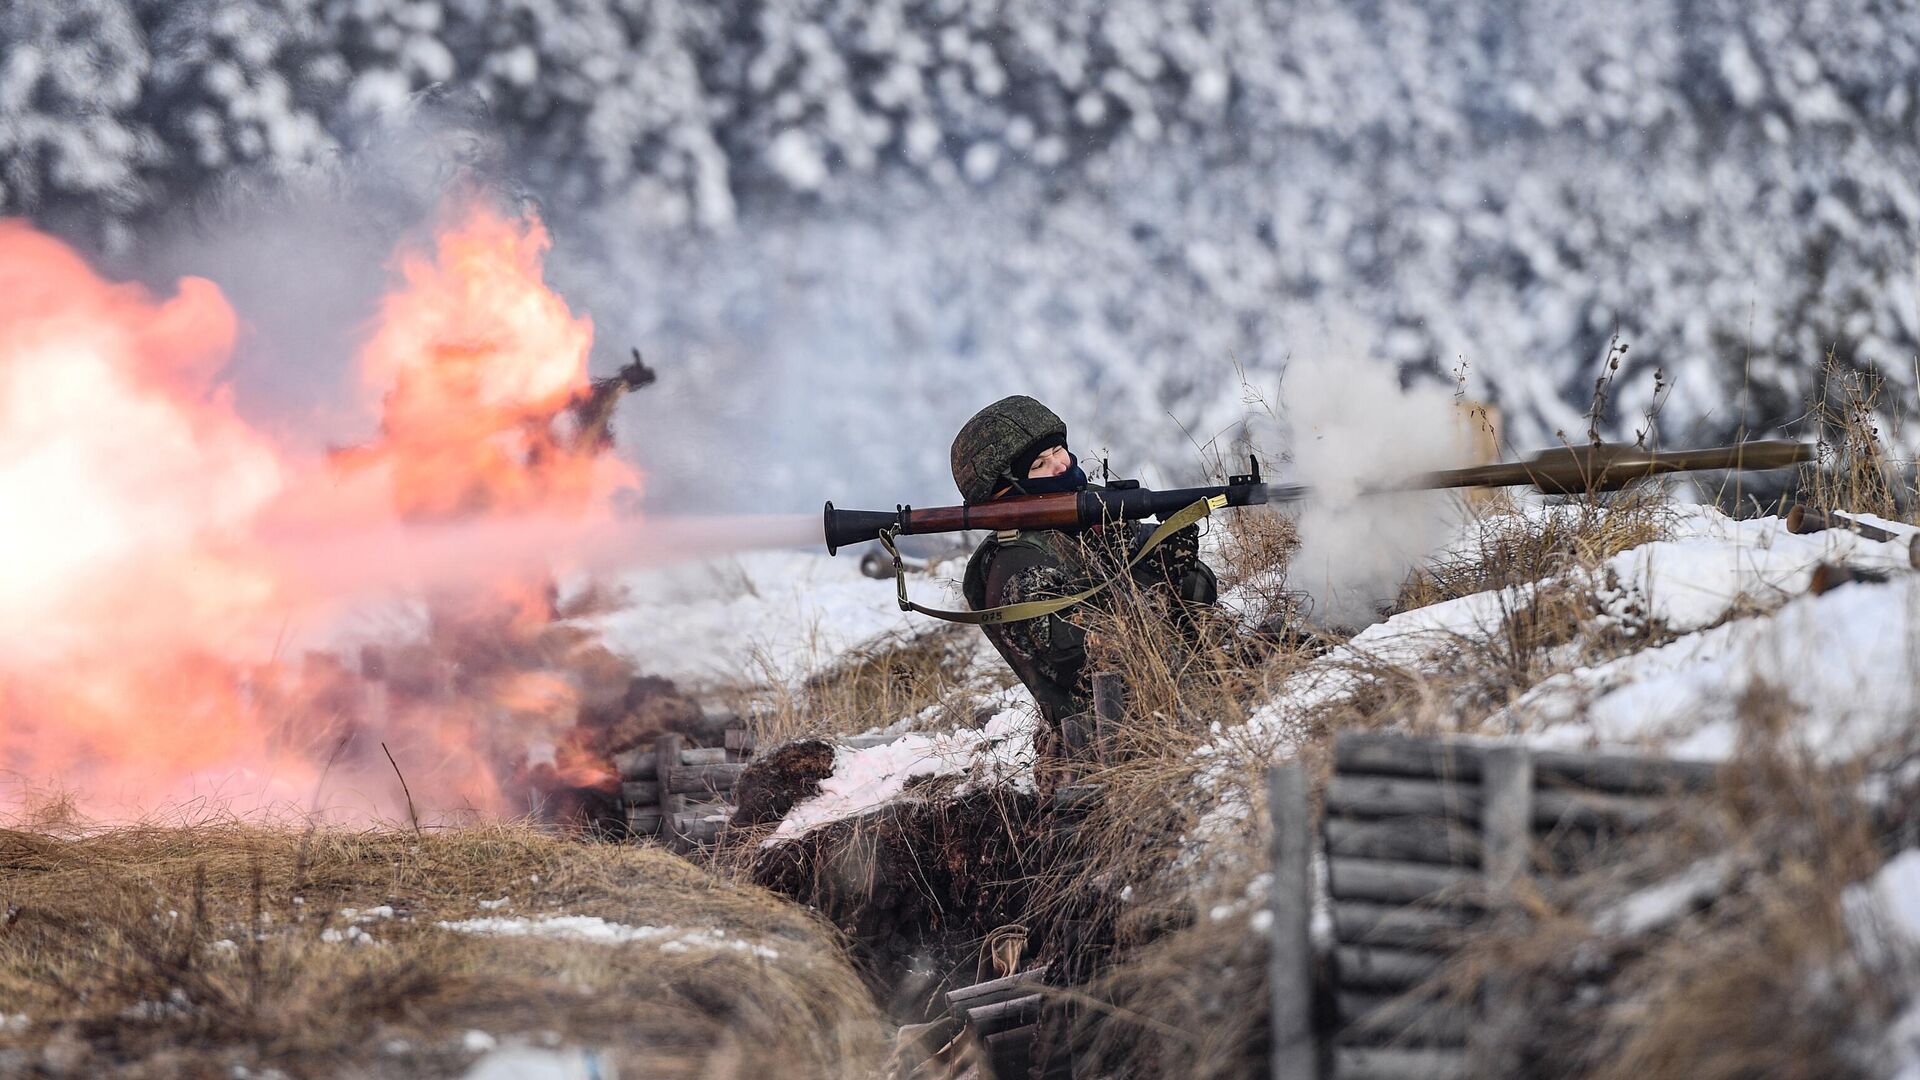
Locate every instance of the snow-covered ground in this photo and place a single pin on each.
(1730, 601)
(1000, 752)
(761, 616)
(592, 928)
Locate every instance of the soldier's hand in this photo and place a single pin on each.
(1176, 555)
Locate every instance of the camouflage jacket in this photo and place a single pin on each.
(1049, 654)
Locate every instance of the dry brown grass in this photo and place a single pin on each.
(198, 951)
(1257, 547)
(881, 683)
(1175, 1000)
(1158, 997)
(1509, 548)
(1855, 473)
(1191, 1003)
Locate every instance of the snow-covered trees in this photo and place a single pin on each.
(1141, 191)
(71, 82)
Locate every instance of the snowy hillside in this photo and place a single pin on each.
(1673, 636)
(842, 223)
(1771, 921)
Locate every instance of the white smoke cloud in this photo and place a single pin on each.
(1353, 425)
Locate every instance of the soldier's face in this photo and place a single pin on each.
(1050, 463)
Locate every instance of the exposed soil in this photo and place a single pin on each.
(920, 887)
(775, 783)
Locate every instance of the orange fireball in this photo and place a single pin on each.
(144, 600)
(475, 362)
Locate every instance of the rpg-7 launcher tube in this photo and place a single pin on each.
(1066, 510)
(1571, 470)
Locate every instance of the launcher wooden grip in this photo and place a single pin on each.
(1060, 510)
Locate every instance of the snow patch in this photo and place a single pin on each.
(1665, 901)
(999, 753)
(534, 1063)
(595, 929)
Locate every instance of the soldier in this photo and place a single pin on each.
(1017, 446)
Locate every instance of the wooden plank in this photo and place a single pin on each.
(1375, 797)
(666, 758)
(1294, 1052)
(1357, 1063)
(1386, 796)
(1399, 882)
(1078, 797)
(1561, 808)
(640, 792)
(704, 755)
(738, 743)
(644, 821)
(1399, 925)
(691, 779)
(1109, 710)
(698, 828)
(1506, 834)
(1010, 1053)
(635, 764)
(1372, 1018)
(1384, 754)
(998, 1016)
(1363, 967)
(1011, 986)
(1425, 839)
(1624, 774)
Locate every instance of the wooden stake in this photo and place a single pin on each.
(1290, 958)
(1109, 709)
(666, 759)
(1506, 837)
(1506, 825)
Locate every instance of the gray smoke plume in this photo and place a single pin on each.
(1354, 425)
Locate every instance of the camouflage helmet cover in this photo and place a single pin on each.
(989, 445)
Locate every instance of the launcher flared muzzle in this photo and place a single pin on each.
(845, 527)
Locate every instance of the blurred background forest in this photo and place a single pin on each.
(839, 226)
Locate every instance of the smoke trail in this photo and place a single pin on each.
(371, 561)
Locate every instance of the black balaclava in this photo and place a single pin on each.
(1074, 479)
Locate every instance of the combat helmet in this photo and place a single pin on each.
(1000, 438)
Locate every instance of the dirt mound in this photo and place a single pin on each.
(235, 950)
(776, 782)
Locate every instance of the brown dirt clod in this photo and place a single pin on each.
(775, 783)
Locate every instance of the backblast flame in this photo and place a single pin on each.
(125, 479)
(145, 607)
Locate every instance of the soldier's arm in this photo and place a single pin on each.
(1177, 564)
(1020, 574)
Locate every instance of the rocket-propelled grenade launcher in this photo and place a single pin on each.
(1572, 470)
